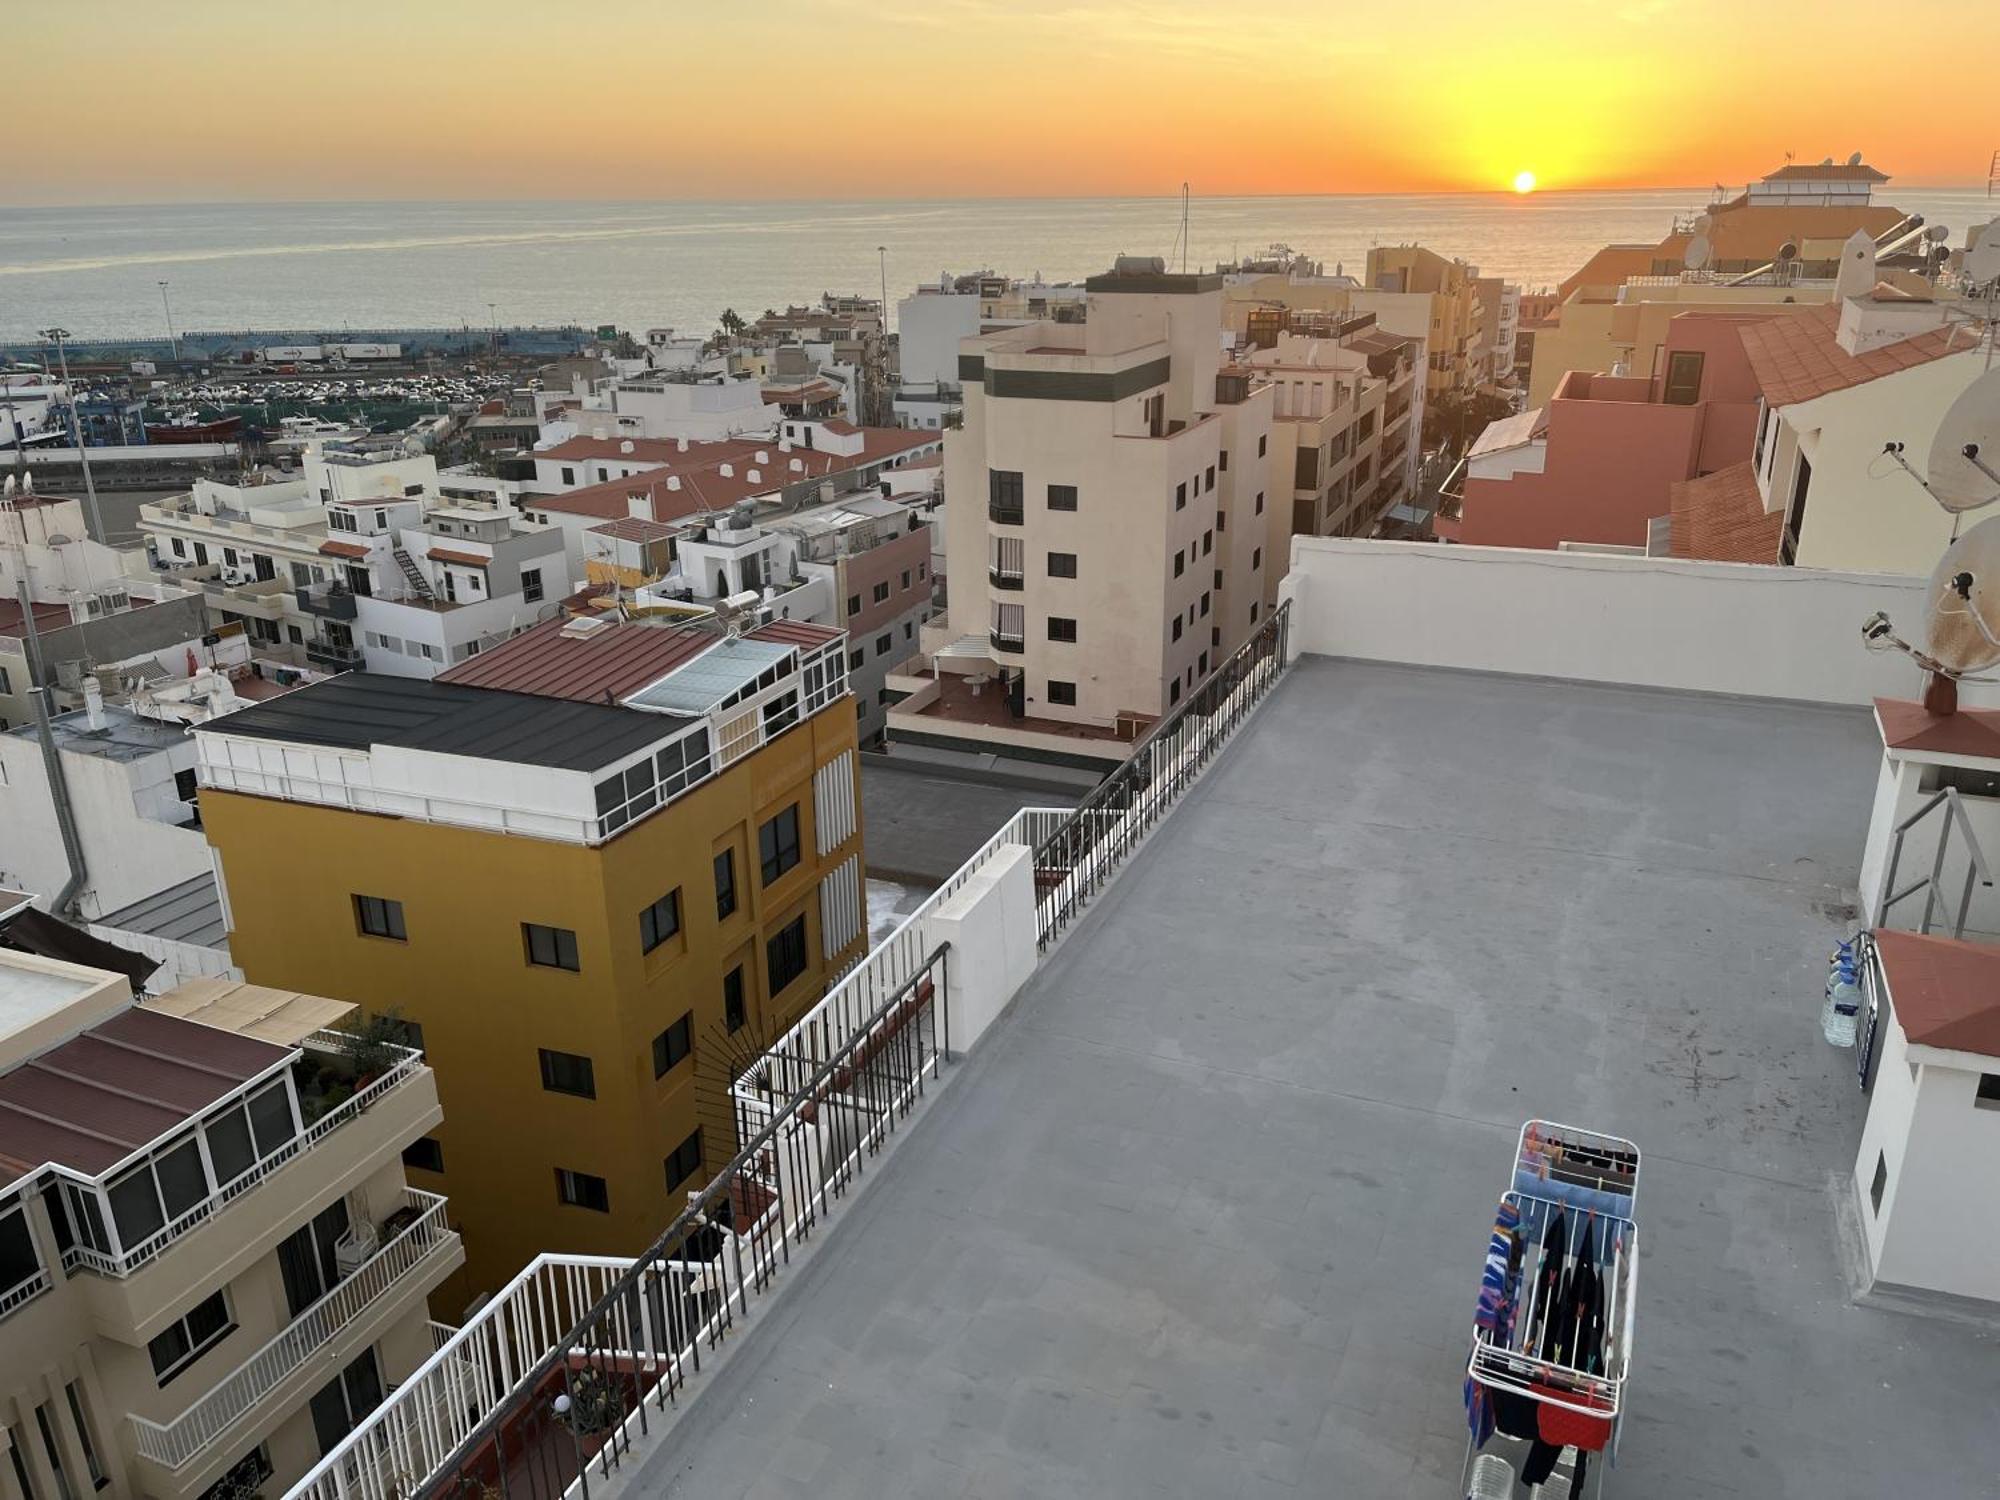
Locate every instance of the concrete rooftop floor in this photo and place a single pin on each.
(1204, 1214)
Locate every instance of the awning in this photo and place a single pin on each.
(282, 1017)
(970, 646)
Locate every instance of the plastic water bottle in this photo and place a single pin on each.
(1838, 1016)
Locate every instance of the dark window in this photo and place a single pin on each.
(569, 475)
(1881, 1182)
(1221, 521)
(1004, 496)
(425, 1154)
(785, 956)
(1263, 443)
(1209, 478)
(84, 1436)
(1062, 497)
(339, 1406)
(1204, 603)
(854, 604)
(672, 1045)
(1062, 565)
(733, 1015)
(1062, 692)
(725, 884)
(883, 643)
(271, 1119)
(778, 843)
(882, 591)
(1683, 378)
(1218, 578)
(906, 578)
(1987, 1095)
(1174, 691)
(1180, 496)
(1225, 460)
(18, 1261)
(1207, 543)
(1177, 627)
(377, 916)
(855, 659)
(188, 1337)
(1256, 558)
(660, 921)
(531, 584)
(550, 947)
(186, 786)
(229, 1148)
(1061, 629)
(581, 1190)
(309, 1257)
(1180, 563)
(567, 1073)
(1260, 502)
(685, 1161)
(1202, 664)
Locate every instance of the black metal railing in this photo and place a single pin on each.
(1085, 850)
(1006, 514)
(1014, 645)
(636, 1346)
(1001, 578)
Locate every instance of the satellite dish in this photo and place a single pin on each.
(1854, 160)
(1787, 252)
(1982, 259)
(1962, 614)
(1938, 232)
(1959, 474)
(1827, 163)
(1697, 253)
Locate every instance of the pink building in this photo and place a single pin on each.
(1597, 462)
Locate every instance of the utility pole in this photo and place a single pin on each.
(173, 343)
(56, 337)
(493, 313)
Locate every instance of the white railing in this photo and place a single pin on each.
(175, 1443)
(407, 1065)
(25, 1291)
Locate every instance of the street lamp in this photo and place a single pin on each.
(493, 313)
(173, 344)
(56, 337)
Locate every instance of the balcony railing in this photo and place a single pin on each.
(1006, 578)
(407, 1065)
(1014, 645)
(427, 1238)
(332, 654)
(1003, 514)
(330, 601)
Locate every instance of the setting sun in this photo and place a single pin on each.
(1524, 182)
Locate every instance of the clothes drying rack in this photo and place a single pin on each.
(1592, 1181)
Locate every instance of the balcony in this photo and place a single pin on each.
(329, 601)
(1011, 579)
(333, 655)
(1002, 513)
(411, 1262)
(1013, 644)
(260, 598)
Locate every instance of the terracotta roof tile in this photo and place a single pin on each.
(333, 548)
(611, 662)
(1720, 517)
(1945, 992)
(1910, 726)
(1798, 358)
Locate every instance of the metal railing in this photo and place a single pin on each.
(407, 1065)
(1975, 863)
(1078, 857)
(558, 1376)
(1008, 641)
(174, 1444)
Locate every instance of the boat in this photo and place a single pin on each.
(189, 427)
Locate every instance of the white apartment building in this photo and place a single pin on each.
(1108, 496)
(211, 1266)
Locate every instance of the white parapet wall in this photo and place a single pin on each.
(1736, 628)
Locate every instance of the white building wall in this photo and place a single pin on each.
(928, 328)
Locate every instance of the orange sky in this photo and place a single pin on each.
(138, 100)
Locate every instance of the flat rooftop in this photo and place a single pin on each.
(1204, 1214)
(126, 736)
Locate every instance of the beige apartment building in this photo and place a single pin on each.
(1347, 410)
(211, 1267)
(1107, 500)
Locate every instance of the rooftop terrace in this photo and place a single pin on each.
(1204, 1213)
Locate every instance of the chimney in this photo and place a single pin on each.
(673, 481)
(638, 504)
(728, 471)
(755, 476)
(682, 446)
(93, 703)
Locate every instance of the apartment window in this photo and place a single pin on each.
(1209, 479)
(734, 1013)
(725, 884)
(1880, 1184)
(778, 843)
(1004, 496)
(660, 921)
(1260, 502)
(582, 1190)
(1201, 663)
(1204, 602)
(531, 584)
(1214, 636)
(425, 1154)
(1207, 543)
(189, 1336)
(785, 956)
(20, 1464)
(1180, 563)
(1062, 565)
(909, 631)
(673, 1045)
(1062, 692)
(854, 604)
(550, 947)
(882, 591)
(1224, 456)
(1683, 377)
(567, 1073)
(308, 1257)
(84, 1436)
(1263, 443)
(883, 642)
(1174, 691)
(1180, 496)
(1177, 627)
(1765, 421)
(1062, 497)
(569, 475)
(1253, 614)
(1256, 558)
(180, 547)
(906, 578)
(1221, 521)
(855, 659)
(1987, 1095)
(1218, 578)
(339, 1406)
(1061, 629)
(684, 1161)
(377, 916)
(63, 1486)
(187, 786)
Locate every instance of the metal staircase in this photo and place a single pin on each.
(1977, 874)
(419, 585)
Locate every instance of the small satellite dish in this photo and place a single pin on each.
(1982, 260)
(1938, 232)
(1827, 163)
(1787, 253)
(1965, 451)
(1854, 160)
(1962, 614)
(1697, 253)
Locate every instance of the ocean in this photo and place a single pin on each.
(331, 266)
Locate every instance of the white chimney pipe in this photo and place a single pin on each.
(93, 703)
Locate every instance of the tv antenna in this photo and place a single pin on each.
(1961, 618)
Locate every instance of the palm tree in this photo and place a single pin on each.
(732, 322)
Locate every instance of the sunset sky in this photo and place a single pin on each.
(136, 100)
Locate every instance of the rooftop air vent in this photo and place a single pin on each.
(583, 627)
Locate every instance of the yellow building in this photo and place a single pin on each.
(598, 869)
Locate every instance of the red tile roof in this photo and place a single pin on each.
(610, 663)
(1721, 518)
(91, 1102)
(1910, 726)
(1797, 358)
(1945, 992)
(47, 617)
(343, 549)
(794, 633)
(463, 559)
(840, 427)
